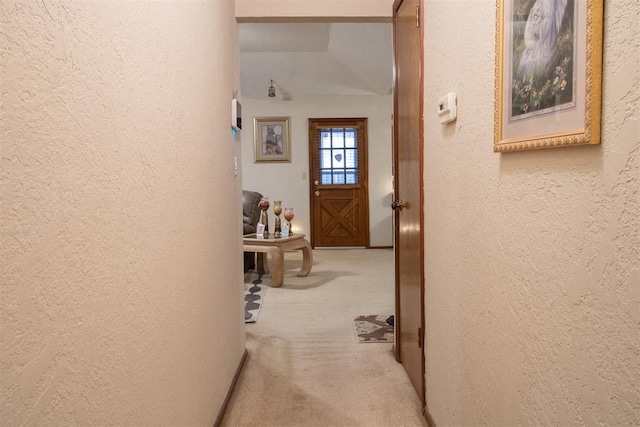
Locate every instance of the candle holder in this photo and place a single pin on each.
(277, 210)
(264, 217)
(288, 215)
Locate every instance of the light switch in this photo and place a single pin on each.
(448, 108)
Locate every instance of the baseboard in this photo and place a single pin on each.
(231, 388)
(428, 417)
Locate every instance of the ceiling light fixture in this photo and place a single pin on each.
(272, 90)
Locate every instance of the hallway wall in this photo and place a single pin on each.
(532, 262)
(120, 271)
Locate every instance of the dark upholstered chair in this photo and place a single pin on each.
(250, 211)
(250, 219)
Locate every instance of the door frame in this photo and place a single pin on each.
(363, 157)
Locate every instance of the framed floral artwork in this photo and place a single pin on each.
(548, 73)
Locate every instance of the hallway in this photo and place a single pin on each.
(305, 367)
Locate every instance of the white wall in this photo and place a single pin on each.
(248, 9)
(532, 258)
(120, 296)
(289, 182)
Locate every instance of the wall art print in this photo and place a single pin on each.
(271, 135)
(548, 73)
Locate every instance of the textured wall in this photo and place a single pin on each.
(532, 258)
(120, 257)
(290, 182)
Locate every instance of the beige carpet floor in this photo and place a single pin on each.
(305, 366)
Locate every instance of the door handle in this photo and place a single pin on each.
(399, 205)
(316, 182)
(317, 193)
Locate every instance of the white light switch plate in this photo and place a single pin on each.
(448, 108)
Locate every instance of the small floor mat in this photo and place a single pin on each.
(256, 285)
(373, 328)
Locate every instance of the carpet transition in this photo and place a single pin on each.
(373, 328)
(256, 285)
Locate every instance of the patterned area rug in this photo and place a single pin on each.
(255, 287)
(373, 328)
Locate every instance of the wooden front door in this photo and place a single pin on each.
(408, 191)
(338, 182)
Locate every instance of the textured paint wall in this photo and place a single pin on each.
(532, 258)
(120, 257)
(290, 181)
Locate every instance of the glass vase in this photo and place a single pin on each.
(288, 215)
(264, 217)
(277, 210)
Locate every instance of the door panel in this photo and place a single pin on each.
(338, 217)
(339, 200)
(408, 190)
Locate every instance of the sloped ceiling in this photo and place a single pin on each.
(315, 59)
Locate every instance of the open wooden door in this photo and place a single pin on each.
(408, 190)
(339, 196)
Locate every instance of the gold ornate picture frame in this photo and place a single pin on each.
(548, 87)
(271, 139)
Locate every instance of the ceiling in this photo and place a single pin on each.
(307, 59)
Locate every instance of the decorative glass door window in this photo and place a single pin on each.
(338, 156)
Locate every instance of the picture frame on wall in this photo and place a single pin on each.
(271, 139)
(548, 88)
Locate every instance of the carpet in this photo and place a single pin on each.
(373, 328)
(256, 285)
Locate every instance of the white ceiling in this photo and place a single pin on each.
(315, 59)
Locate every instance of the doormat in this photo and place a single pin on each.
(256, 285)
(373, 328)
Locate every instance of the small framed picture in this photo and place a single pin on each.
(271, 136)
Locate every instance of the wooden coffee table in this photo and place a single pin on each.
(276, 247)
